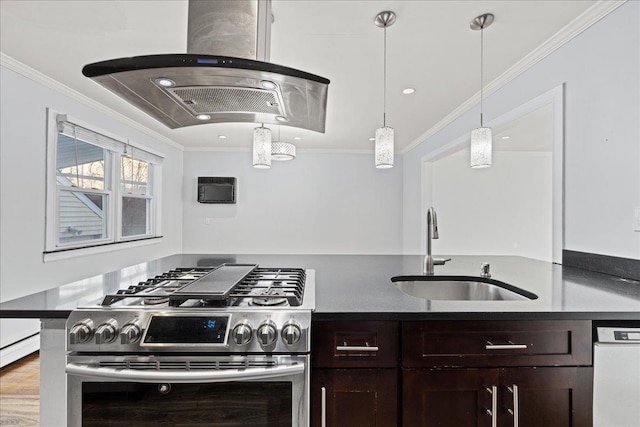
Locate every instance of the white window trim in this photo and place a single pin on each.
(114, 240)
(94, 250)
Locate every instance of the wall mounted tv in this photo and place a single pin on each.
(216, 189)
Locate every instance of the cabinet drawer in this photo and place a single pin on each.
(370, 344)
(496, 343)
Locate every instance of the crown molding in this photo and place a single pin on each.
(35, 75)
(589, 17)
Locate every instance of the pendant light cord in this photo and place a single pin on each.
(481, 70)
(384, 83)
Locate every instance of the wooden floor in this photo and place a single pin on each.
(20, 392)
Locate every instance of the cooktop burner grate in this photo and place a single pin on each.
(260, 287)
(269, 286)
(155, 290)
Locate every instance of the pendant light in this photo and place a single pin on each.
(481, 138)
(282, 151)
(384, 135)
(261, 148)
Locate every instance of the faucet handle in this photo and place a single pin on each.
(440, 261)
(484, 270)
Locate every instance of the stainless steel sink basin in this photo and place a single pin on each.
(460, 288)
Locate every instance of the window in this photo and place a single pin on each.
(100, 190)
(136, 198)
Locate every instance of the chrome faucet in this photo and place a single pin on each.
(432, 233)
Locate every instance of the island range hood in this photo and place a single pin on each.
(224, 77)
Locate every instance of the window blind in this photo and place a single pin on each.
(73, 130)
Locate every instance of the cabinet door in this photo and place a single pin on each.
(354, 397)
(559, 397)
(453, 397)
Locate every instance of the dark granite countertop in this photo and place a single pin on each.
(359, 287)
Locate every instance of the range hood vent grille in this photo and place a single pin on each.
(211, 100)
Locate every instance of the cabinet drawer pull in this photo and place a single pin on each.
(356, 348)
(509, 346)
(365, 347)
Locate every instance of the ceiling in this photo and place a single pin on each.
(429, 48)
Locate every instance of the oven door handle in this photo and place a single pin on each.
(210, 376)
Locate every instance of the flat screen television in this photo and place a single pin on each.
(216, 189)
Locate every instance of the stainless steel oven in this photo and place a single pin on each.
(191, 390)
(225, 346)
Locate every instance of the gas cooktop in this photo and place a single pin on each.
(230, 285)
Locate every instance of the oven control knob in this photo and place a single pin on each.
(107, 332)
(242, 333)
(81, 332)
(130, 333)
(267, 333)
(291, 333)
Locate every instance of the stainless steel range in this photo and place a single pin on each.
(224, 346)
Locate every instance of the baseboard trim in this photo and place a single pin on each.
(18, 350)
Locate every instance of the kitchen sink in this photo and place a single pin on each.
(460, 288)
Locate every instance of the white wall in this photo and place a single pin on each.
(501, 210)
(317, 203)
(22, 189)
(23, 160)
(601, 72)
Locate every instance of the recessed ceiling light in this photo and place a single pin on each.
(222, 136)
(267, 84)
(282, 119)
(297, 138)
(408, 91)
(506, 137)
(203, 117)
(372, 139)
(165, 82)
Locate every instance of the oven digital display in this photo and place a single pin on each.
(626, 335)
(204, 330)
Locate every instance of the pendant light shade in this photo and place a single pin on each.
(262, 148)
(481, 148)
(384, 135)
(282, 151)
(384, 147)
(481, 138)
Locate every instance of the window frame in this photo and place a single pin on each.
(113, 190)
(149, 192)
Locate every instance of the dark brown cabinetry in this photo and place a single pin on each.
(354, 381)
(523, 373)
(558, 396)
(452, 373)
(496, 343)
(355, 397)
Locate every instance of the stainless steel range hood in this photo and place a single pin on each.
(220, 79)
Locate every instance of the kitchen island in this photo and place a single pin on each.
(359, 287)
(355, 291)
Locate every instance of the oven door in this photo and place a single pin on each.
(266, 391)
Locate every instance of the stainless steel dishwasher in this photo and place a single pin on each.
(616, 378)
